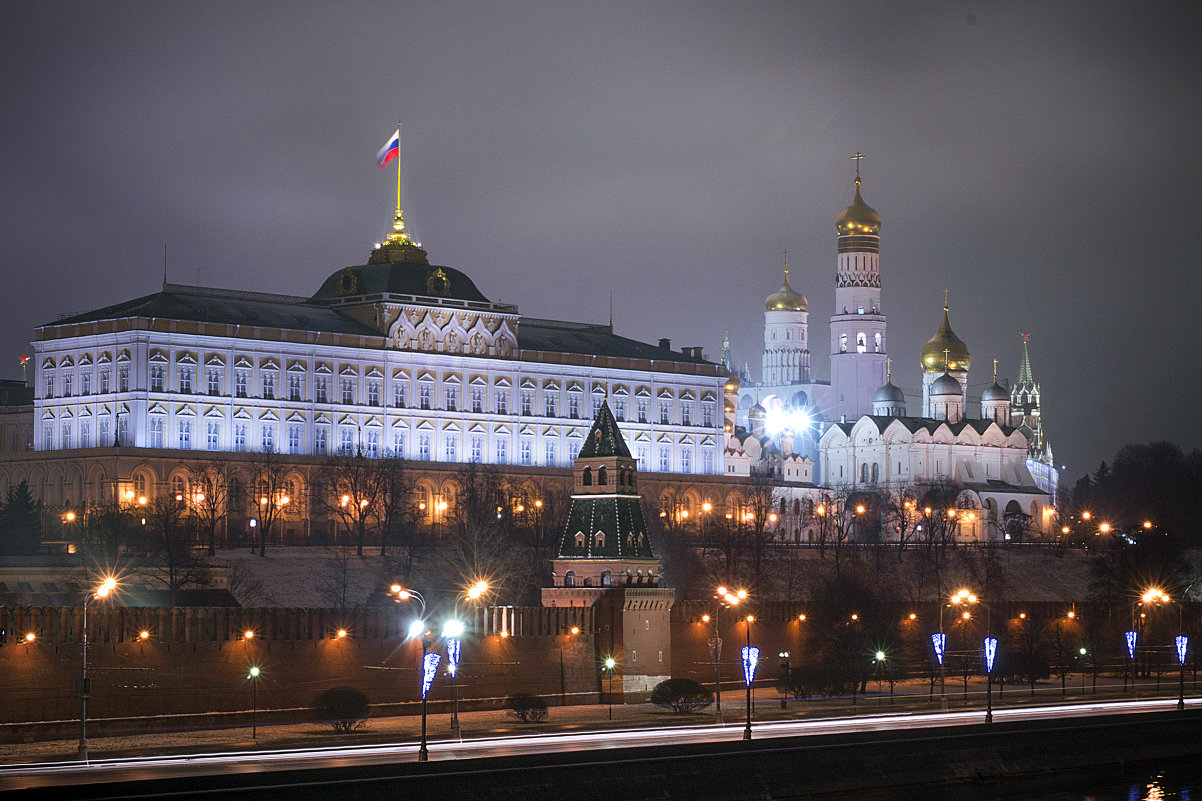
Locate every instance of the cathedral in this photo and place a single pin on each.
(857, 431)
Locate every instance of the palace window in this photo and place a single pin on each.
(424, 391)
(294, 438)
(213, 380)
(48, 383)
(157, 425)
(104, 381)
(398, 393)
(707, 413)
(477, 448)
(527, 402)
(549, 449)
(66, 443)
(321, 440)
(423, 447)
(642, 410)
(346, 440)
(321, 389)
(686, 459)
(296, 386)
(123, 379)
(156, 378)
(549, 402)
(527, 453)
(240, 381)
(502, 401)
(212, 435)
(373, 393)
(451, 394)
(398, 443)
(477, 400)
(686, 413)
(66, 385)
(185, 434)
(269, 384)
(665, 458)
(665, 411)
(620, 409)
(185, 380)
(574, 405)
(502, 451)
(267, 438)
(373, 443)
(348, 390)
(451, 446)
(85, 434)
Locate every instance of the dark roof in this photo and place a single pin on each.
(604, 438)
(996, 485)
(402, 278)
(229, 307)
(913, 424)
(600, 340)
(619, 518)
(15, 393)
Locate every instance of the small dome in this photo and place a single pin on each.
(757, 412)
(858, 218)
(785, 299)
(995, 393)
(889, 394)
(732, 383)
(946, 385)
(958, 357)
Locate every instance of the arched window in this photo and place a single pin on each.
(864, 473)
(569, 578)
(606, 578)
(588, 477)
(861, 342)
(843, 343)
(876, 472)
(602, 479)
(877, 337)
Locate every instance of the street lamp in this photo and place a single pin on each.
(1182, 650)
(990, 653)
(452, 630)
(106, 587)
(961, 598)
(750, 658)
(610, 664)
(731, 598)
(253, 675)
(429, 663)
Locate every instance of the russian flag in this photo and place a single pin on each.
(391, 149)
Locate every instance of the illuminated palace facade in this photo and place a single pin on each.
(396, 356)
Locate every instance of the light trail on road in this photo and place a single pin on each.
(49, 774)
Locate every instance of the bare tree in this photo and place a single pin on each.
(356, 489)
(832, 517)
(758, 497)
(398, 524)
(211, 498)
(902, 517)
(269, 493)
(168, 537)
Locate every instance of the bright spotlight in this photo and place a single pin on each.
(452, 628)
(416, 628)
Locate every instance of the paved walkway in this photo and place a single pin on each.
(911, 696)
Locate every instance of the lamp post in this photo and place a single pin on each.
(990, 653)
(610, 664)
(107, 586)
(452, 630)
(962, 597)
(730, 598)
(1182, 650)
(253, 675)
(429, 662)
(750, 658)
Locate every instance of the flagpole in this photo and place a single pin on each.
(398, 168)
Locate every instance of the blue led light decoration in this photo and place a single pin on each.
(939, 639)
(751, 656)
(429, 667)
(1182, 648)
(1132, 638)
(990, 653)
(452, 656)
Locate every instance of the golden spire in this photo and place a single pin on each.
(856, 158)
(888, 371)
(945, 299)
(399, 246)
(995, 371)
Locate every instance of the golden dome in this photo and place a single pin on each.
(732, 383)
(957, 355)
(785, 299)
(858, 218)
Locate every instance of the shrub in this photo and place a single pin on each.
(526, 707)
(682, 696)
(343, 708)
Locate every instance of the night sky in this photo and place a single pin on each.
(1040, 160)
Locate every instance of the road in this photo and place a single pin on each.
(151, 768)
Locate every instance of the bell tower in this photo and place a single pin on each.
(858, 347)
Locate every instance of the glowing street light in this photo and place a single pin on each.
(253, 676)
(102, 591)
(610, 663)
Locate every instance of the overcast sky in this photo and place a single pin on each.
(1040, 160)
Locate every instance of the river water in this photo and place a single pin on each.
(1174, 782)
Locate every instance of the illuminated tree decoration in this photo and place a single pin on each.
(429, 667)
(751, 655)
(1132, 637)
(939, 639)
(452, 656)
(1182, 647)
(990, 653)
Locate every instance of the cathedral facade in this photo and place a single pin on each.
(858, 432)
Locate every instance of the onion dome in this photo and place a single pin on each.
(995, 393)
(946, 385)
(956, 357)
(732, 383)
(757, 412)
(785, 299)
(858, 218)
(890, 394)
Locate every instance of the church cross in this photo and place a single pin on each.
(945, 299)
(856, 158)
(946, 351)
